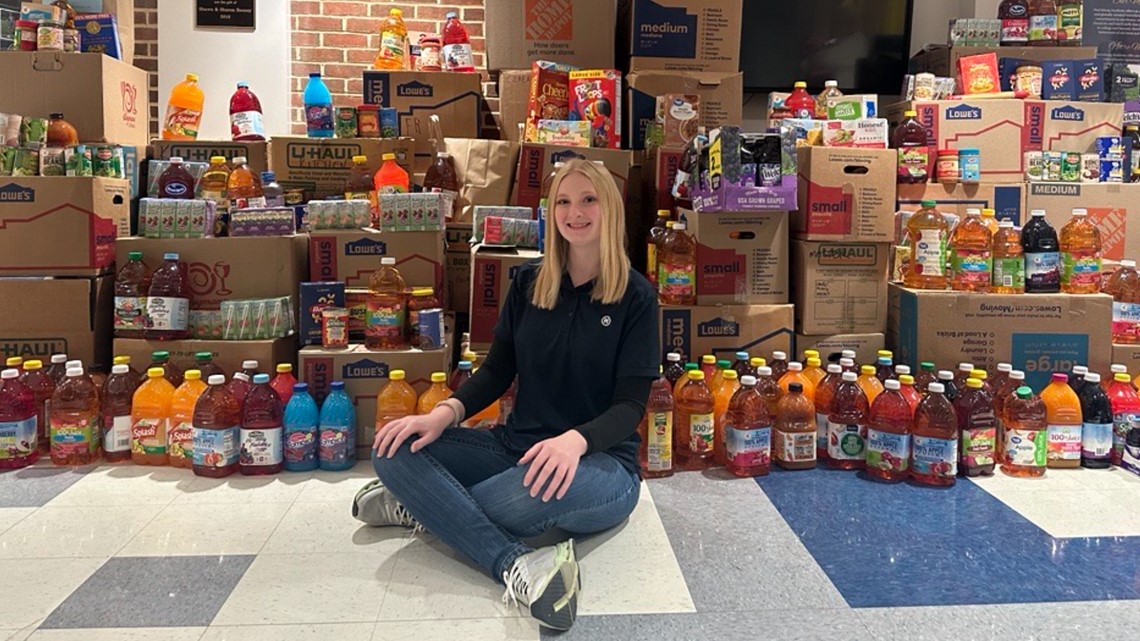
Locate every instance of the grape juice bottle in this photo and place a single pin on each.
(302, 420)
(18, 433)
(337, 425)
(934, 455)
(1042, 255)
(950, 389)
(978, 428)
(823, 396)
(911, 140)
(695, 423)
(262, 433)
(847, 425)
(217, 431)
(1096, 433)
(795, 431)
(888, 435)
(655, 454)
(1026, 435)
(1064, 416)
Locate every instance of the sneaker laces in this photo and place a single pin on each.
(398, 515)
(517, 580)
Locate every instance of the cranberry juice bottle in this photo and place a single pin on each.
(176, 182)
(977, 425)
(245, 115)
(118, 392)
(18, 432)
(934, 453)
(262, 430)
(40, 381)
(748, 431)
(217, 432)
(168, 301)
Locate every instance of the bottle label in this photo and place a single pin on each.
(148, 436)
(1009, 272)
(1015, 30)
(748, 448)
(75, 438)
(1096, 440)
(821, 431)
(218, 197)
(936, 457)
(17, 438)
(256, 202)
(1026, 447)
(1126, 320)
(117, 434)
(846, 441)
(393, 47)
(1121, 423)
(319, 118)
(929, 259)
(659, 442)
(1042, 270)
(261, 447)
(180, 440)
(914, 164)
(301, 445)
(1081, 269)
(168, 314)
(130, 313)
(334, 446)
(972, 267)
(795, 447)
(888, 451)
(385, 321)
(651, 262)
(701, 433)
(677, 280)
(1064, 442)
(458, 56)
(1043, 28)
(247, 123)
(182, 123)
(978, 444)
(216, 448)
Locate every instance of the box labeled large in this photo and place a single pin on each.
(846, 194)
(1007, 201)
(723, 330)
(721, 94)
(742, 257)
(227, 354)
(351, 256)
(681, 35)
(1039, 335)
(1075, 126)
(321, 166)
(840, 288)
(45, 316)
(493, 270)
(1113, 207)
(830, 348)
(575, 32)
(256, 152)
(55, 226)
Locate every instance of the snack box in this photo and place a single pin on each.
(595, 97)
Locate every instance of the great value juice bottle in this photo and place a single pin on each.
(869, 383)
(19, 445)
(319, 121)
(910, 392)
(302, 436)
(978, 428)
(1042, 255)
(971, 254)
(393, 42)
(391, 178)
(58, 369)
(245, 115)
(655, 454)
(74, 419)
(1096, 432)
(1077, 379)
(927, 233)
(131, 286)
(168, 301)
(794, 446)
(434, 395)
(795, 374)
(456, 46)
(653, 241)
(824, 393)
(695, 423)
(748, 432)
(39, 380)
(462, 373)
(217, 431)
(172, 372)
(677, 268)
(262, 430)
(934, 453)
(1009, 261)
(962, 375)
(888, 435)
(1080, 255)
(184, 110)
(1063, 411)
(175, 182)
(283, 383)
(768, 388)
(337, 450)
(150, 419)
(689, 367)
(180, 436)
(387, 308)
(214, 183)
(1026, 434)
(239, 387)
(721, 399)
(912, 142)
(1125, 410)
(847, 425)
(244, 187)
(779, 365)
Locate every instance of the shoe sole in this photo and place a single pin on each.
(557, 607)
(371, 485)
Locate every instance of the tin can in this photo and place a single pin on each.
(1029, 79)
(71, 42)
(106, 162)
(368, 121)
(346, 122)
(430, 329)
(334, 328)
(1052, 161)
(949, 171)
(1090, 168)
(49, 36)
(1034, 166)
(924, 86)
(971, 163)
(1071, 167)
(389, 123)
(294, 196)
(28, 34)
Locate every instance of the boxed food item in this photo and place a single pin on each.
(595, 98)
(1090, 80)
(678, 115)
(483, 212)
(721, 99)
(867, 133)
(568, 133)
(979, 74)
(315, 298)
(853, 107)
(1058, 80)
(549, 96)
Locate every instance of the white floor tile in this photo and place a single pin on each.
(126, 486)
(58, 532)
(512, 629)
(35, 587)
(119, 634)
(10, 516)
(311, 632)
(432, 584)
(337, 486)
(236, 489)
(1068, 513)
(207, 529)
(329, 528)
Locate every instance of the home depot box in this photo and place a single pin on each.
(351, 256)
(514, 102)
(846, 194)
(680, 35)
(1076, 126)
(722, 98)
(227, 354)
(840, 287)
(256, 152)
(56, 226)
(830, 347)
(723, 330)
(106, 99)
(221, 269)
(458, 268)
(1039, 335)
(45, 316)
(1001, 129)
(574, 32)
(321, 166)
(742, 257)
(1114, 208)
(1007, 201)
(493, 269)
(942, 60)
(457, 98)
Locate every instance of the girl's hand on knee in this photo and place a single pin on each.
(554, 460)
(428, 427)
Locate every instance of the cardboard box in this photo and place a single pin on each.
(721, 94)
(942, 60)
(61, 226)
(1114, 208)
(351, 256)
(1039, 335)
(458, 268)
(256, 153)
(574, 32)
(681, 35)
(1001, 129)
(227, 354)
(840, 287)
(742, 258)
(846, 194)
(58, 316)
(493, 270)
(1076, 126)
(106, 99)
(723, 330)
(660, 173)
(1127, 355)
(223, 269)
(321, 166)
(514, 94)
(1007, 201)
(865, 346)
(536, 161)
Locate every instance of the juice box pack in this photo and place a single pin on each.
(595, 97)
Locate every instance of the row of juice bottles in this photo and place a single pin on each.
(449, 51)
(230, 188)
(929, 427)
(398, 399)
(154, 305)
(187, 102)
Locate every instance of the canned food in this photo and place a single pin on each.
(1029, 79)
(1034, 166)
(49, 36)
(107, 161)
(1090, 168)
(389, 122)
(1071, 167)
(429, 332)
(971, 163)
(346, 122)
(28, 34)
(368, 121)
(27, 161)
(1052, 162)
(334, 328)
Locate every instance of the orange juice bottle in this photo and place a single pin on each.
(1026, 434)
(393, 42)
(184, 110)
(391, 177)
(150, 419)
(1080, 255)
(869, 383)
(971, 254)
(721, 398)
(927, 233)
(396, 400)
(795, 374)
(695, 423)
(814, 371)
(180, 436)
(438, 392)
(1063, 414)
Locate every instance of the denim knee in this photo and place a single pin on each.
(387, 469)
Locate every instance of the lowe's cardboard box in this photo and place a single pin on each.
(865, 346)
(575, 32)
(255, 152)
(1038, 334)
(680, 35)
(106, 99)
(227, 354)
(723, 330)
(846, 194)
(840, 287)
(321, 166)
(514, 102)
(493, 269)
(58, 316)
(1075, 126)
(351, 256)
(1114, 208)
(721, 94)
(1007, 201)
(57, 226)
(742, 258)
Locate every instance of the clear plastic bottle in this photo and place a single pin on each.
(19, 446)
(214, 182)
(1001, 401)
(391, 178)
(204, 363)
(829, 93)
(175, 182)
(1042, 255)
(283, 382)
(927, 235)
(960, 378)
(768, 388)
(677, 267)
(302, 437)
(1077, 378)
(337, 450)
(779, 365)
(271, 190)
(58, 369)
(884, 365)
(75, 427)
(971, 254)
(1096, 432)
(172, 372)
(239, 386)
(456, 46)
(434, 395)
(115, 414)
(1026, 435)
(674, 369)
(1125, 411)
(655, 454)
(319, 121)
(1124, 287)
(888, 435)
(168, 301)
(250, 368)
(387, 308)
(910, 392)
(393, 42)
(795, 374)
(800, 102)
(721, 399)
(245, 115)
(814, 372)
(653, 243)
(794, 445)
(989, 219)
(748, 432)
(926, 375)
(911, 140)
(443, 176)
(847, 425)
(693, 436)
(396, 400)
(184, 110)
(869, 383)
(824, 393)
(1080, 255)
(132, 284)
(463, 371)
(262, 448)
(934, 454)
(217, 431)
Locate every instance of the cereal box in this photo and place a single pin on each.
(549, 96)
(567, 133)
(979, 74)
(595, 97)
(678, 116)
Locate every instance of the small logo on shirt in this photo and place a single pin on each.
(606, 320)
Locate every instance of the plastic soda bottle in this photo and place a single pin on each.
(934, 455)
(301, 430)
(168, 301)
(674, 370)
(971, 254)
(779, 365)
(214, 183)
(927, 233)
(434, 395)
(150, 419)
(1096, 432)
(677, 267)
(653, 242)
(456, 46)
(396, 400)
(795, 374)
(847, 425)
(1124, 287)
(1042, 255)
(337, 449)
(283, 383)
(19, 435)
(74, 420)
(748, 431)
(318, 108)
(1063, 412)
(393, 42)
(244, 187)
(912, 142)
(204, 363)
(239, 386)
(172, 372)
(245, 115)
(800, 102)
(1009, 261)
(814, 372)
(272, 190)
(262, 430)
(1026, 434)
(175, 182)
(695, 423)
(462, 373)
(1080, 255)
(217, 430)
(721, 399)
(1125, 410)
(39, 380)
(655, 453)
(795, 430)
(391, 178)
(888, 435)
(769, 388)
(824, 393)
(869, 383)
(689, 367)
(180, 436)
(910, 392)
(387, 308)
(978, 428)
(184, 110)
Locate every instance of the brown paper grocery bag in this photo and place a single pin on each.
(486, 171)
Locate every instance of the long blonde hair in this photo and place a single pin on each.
(613, 276)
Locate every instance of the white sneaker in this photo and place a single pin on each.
(547, 581)
(374, 505)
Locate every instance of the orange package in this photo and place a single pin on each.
(549, 96)
(978, 74)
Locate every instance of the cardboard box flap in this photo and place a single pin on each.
(58, 315)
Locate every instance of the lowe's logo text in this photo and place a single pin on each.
(366, 247)
(964, 112)
(13, 193)
(1068, 113)
(718, 327)
(415, 89)
(366, 368)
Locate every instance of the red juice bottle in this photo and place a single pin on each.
(283, 383)
(217, 431)
(926, 375)
(885, 366)
(168, 302)
(204, 363)
(131, 286)
(908, 390)
(978, 428)
(460, 376)
(794, 443)
(39, 380)
(824, 394)
(240, 386)
(847, 425)
(58, 369)
(1125, 410)
(118, 392)
(262, 430)
(934, 457)
(74, 420)
(888, 435)
(19, 434)
(748, 431)
(175, 181)
(769, 388)
(911, 140)
(800, 102)
(456, 46)
(245, 115)
(779, 365)
(250, 369)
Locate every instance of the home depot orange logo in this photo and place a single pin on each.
(1112, 224)
(549, 19)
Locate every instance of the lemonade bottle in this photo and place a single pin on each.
(1096, 432)
(434, 395)
(396, 400)
(677, 267)
(184, 110)
(39, 380)
(1026, 435)
(795, 374)
(794, 444)
(150, 419)
(971, 254)
(910, 392)
(888, 435)
(302, 431)
(262, 430)
(1009, 261)
(1063, 412)
(214, 182)
(1125, 409)
(283, 383)
(180, 436)
(847, 425)
(387, 308)
(393, 43)
(779, 365)
(748, 432)
(927, 234)
(767, 386)
(824, 393)
(934, 455)
(243, 187)
(655, 454)
(989, 218)
(74, 420)
(217, 430)
(721, 399)
(689, 367)
(360, 184)
(337, 450)
(869, 383)
(978, 428)
(19, 445)
(1080, 255)
(814, 372)
(391, 177)
(695, 423)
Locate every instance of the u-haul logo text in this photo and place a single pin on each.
(847, 255)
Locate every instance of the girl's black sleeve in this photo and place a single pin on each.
(491, 380)
(620, 421)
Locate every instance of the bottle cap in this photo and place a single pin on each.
(756, 361)
(670, 224)
(795, 388)
(176, 160)
(203, 356)
(892, 384)
(979, 374)
(927, 366)
(249, 364)
(240, 160)
(397, 375)
(847, 362)
(708, 359)
(1128, 263)
(834, 368)
(691, 366)
(161, 355)
(217, 160)
(337, 386)
(1004, 367)
(300, 388)
(261, 379)
(673, 357)
(679, 226)
(1117, 368)
(1080, 370)
(989, 213)
(14, 361)
(748, 380)
(314, 74)
(284, 368)
(910, 113)
(945, 375)
(764, 371)
(1024, 392)
(192, 375)
(905, 379)
(867, 370)
(795, 367)
(885, 353)
(1122, 378)
(360, 160)
(1037, 213)
(1058, 377)
(216, 379)
(965, 367)
(729, 375)
(814, 362)
(1017, 375)
(974, 383)
(9, 374)
(390, 260)
(34, 364)
(241, 376)
(396, 12)
(850, 377)
(1092, 377)
(243, 85)
(743, 356)
(120, 369)
(1005, 224)
(847, 353)
(192, 77)
(808, 353)
(268, 177)
(723, 364)
(800, 85)
(928, 204)
(696, 375)
(56, 359)
(73, 372)
(170, 256)
(451, 14)
(134, 255)
(387, 157)
(902, 369)
(155, 372)
(438, 377)
(936, 388)
(831, 83)
(1080, 212)
(76, 363)
(465, 365)
(973, 211)
(779, 356)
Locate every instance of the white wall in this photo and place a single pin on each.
(222, 58)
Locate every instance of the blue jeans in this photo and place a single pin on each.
(467, 489)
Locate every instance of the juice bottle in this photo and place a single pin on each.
(180, 436)
(1063, 412)
(1026, 434)
(58, 370)
(184, 110)
(1001, 402)
(708, 366)
(507, 404)
(794, 446)
(361, 185)
(74, 420)
(217, 430)
(239, 386)
(1096, 431)
(795, 374)
(721, 398)
(978, 428)
(847, 425)
(1042, 255)
(245, 115)
(656, 233)
(888, 435)
(912, 142)
(884, 365)
(814, 372)
(824, 393)
(214, 182)
(456, 46)
(115, 414)
(830, 92)
(16, 363)
(168, 301)
(283, 383)
(150, 419)
(869, 383)
(1014, 15)
(1117, 368)
(272, 190)
(743, 365)
(989, 218)
(434, 395)
(964, 371)
(337, 449)
(655, 454)
(971, 254)
(910, 392)
(1042, 22)
(175, 182)
(934, 456)
(39, 380)
(1080, 255)
(1124, 287)
(722, 367)
(461, 374)
(262, 430)
(800, 102)
(391, 178)
(172, 372)
(318, 108)
(848, 365)
(131, 286)
(674, 370)
(443, 176)
(677, 267)
(927, 233)
(748, 432)
(693, 435)
(1125, 410)
(769, 388)
(756, 363)
(204, 363)
(393, 43)
(396, 400)
(250, 368)
(19, 446)
(1009, 262)
(1077, 379)
(302, 437)
(689, 367)
(244, 189)
(950, 389)
(998, 381)
(387, 308)
(926, 375)
(810, 353)
(900, 370)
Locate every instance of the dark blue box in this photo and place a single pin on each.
(314, 298)
(1090, 80)
(1007, 72)
(1058, 81)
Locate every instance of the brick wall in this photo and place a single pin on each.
(146, 52)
